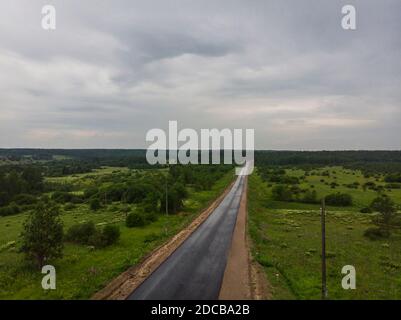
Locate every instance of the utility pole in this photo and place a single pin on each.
(124, 200)
(167, 197)
(323, 222)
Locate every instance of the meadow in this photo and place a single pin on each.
(84, 270)
(286, 238)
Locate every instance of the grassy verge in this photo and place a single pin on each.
(286, 242)
(83, 271)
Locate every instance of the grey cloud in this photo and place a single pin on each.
(114, 69)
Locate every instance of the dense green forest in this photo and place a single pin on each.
(68, 161)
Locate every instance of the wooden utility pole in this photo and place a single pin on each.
(323, 222)
(167, 197)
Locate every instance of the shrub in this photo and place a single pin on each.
(4, 198)
(69, 206)
(354, 185)
(10, 210)
(86, 233)
(63, 197)
(76, 199)
(283, 179)
(396, 221)
(135, 219)
(370, 185)
(366, 210)
(393, 186)
(310, 197)
(282, 193)
(109, 235)
(339, 199)
(94, 204)
(151, 216)
(393, 177)
(25, 199)
(81, 233)
(386, 207)
(376, 233)
(116, 192)
(90, 192)
(334, 185)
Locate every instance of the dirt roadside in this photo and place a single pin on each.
(243, 278)
(124, 284)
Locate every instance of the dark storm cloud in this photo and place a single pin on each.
(114, 69)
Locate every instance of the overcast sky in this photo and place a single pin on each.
(112, 70)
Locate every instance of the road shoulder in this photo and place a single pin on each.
(243, 278)
(236, 284)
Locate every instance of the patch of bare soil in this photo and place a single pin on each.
(260, 287)
(122, 286)
(243, 278)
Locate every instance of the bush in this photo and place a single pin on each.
(369, 185)
(393, 186)
(148, 212)
(354, 185)
(283, 179)
(25, 199)
(334, 185)
(282, 193)
(95, 204)
(87, 234)
(393, 178)
(10, 210)
(376, 233)
(339, 199)
(81, 233)
(69, 206)
(91, 192)
(366, 210)
(151, 216)
(386, 207)
(116, 192)
(63, 197)
(310, 197)
(4, 198)
(135, 219)
(109, 235)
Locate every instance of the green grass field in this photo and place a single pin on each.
(287, 242)
(83, 271)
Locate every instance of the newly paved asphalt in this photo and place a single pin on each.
(195, 270)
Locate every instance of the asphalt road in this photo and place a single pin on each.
(195, 270)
